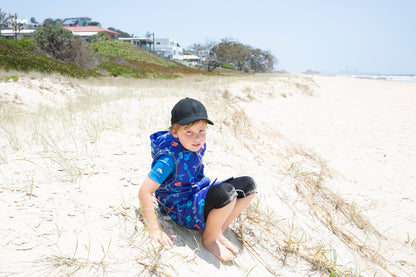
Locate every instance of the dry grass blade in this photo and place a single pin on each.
(297, 248)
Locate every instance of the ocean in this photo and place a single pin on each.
(390, 77)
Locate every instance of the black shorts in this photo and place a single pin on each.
(222, 194)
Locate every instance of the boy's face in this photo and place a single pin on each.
(191, 137)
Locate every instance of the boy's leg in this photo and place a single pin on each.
(246, 190)
(239, 206)
(216, 203)
(213, 229)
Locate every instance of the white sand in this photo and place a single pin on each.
(69, 177)
(366, 130)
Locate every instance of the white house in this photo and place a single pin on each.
(10, 34)
(24, 29)
(191, 60)
(168, 48)
(143, 42)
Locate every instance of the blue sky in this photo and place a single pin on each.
(366, 36)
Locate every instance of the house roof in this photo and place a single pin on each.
(89, 29)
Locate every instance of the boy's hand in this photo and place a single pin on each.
(163, 238)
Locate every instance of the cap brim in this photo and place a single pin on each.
(189, 120)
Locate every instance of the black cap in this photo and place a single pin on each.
(189, 110)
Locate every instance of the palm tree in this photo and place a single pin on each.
(4, 19)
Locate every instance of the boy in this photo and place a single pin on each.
(183, 191)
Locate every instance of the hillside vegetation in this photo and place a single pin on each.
(110, 58)
(19, 55)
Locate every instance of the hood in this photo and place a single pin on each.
(161, 140)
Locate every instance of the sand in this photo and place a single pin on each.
(334, 159)
(365, 130)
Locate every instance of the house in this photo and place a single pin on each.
(191, 60)
(24, 29)
(10, 34)
(143, 42)
(168, 48)
(77, 21)
(86, 31)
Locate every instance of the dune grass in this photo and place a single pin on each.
(61, 141)
(261, 229)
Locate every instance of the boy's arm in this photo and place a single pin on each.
(146, 191)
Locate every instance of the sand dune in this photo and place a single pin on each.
(334, 159)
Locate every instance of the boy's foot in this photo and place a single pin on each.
(219, 250)
(224, 241)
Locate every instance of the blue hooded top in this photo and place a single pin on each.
(182, 196)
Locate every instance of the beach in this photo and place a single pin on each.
(334, 159)
(365, 130)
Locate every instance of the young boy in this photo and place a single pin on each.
(183, 191)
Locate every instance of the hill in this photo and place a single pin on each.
(113, 58)
(19, 55)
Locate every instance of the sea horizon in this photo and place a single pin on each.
(389, 77)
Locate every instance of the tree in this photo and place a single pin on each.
(150, 35)
(261, 61)
(122, 34)
(244, 57)
(232, 52)
(4, 19)
(48, 21)
(58, 22)
(33, 20)
(100, 36)
(61, 44)
(17, 25)
(54, 40)
(198, 50)
(204, 51)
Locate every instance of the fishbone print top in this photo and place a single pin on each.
(182, 196)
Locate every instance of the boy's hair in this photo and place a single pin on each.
(176, 126)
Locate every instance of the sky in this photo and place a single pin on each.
(330, 36)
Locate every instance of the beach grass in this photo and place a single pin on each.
(107, 121)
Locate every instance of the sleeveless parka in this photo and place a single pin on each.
(182, 196)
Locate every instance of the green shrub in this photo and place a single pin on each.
(54, 40)
(100, 36)
(63, 45)
(119, 49)
(25, 43)
(14, 56)
(14, 78)
(227, 66)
